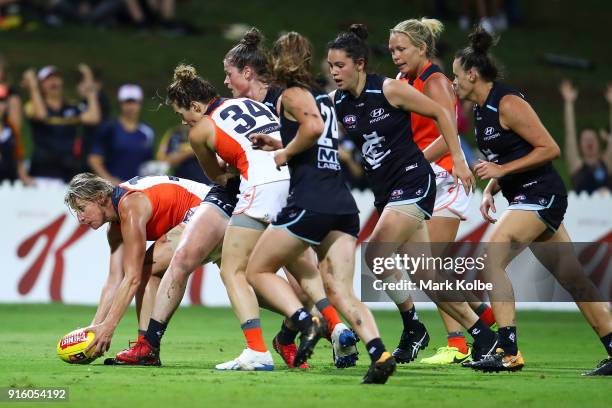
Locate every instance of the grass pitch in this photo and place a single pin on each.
(557, 347)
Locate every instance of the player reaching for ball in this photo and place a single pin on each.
(139, 210)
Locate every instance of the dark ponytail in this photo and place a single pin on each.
(353, 42)
(476, 55)
(249, 52)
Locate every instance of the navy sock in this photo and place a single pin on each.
(481, 333)
(286, 335)
(155, 332)
(507, 340)
(375, 349)
(607, 342)
(302, 319)
(410, 319)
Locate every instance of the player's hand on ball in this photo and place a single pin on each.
(102, 340)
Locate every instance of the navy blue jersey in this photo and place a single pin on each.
(383, 134)
(271, 99)
(317, 182)
(124, 151)
(502, 146)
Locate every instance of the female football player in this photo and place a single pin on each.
(412, 44)
(320, 211)
(375, 113)
(519, 152)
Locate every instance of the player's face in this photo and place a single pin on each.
(405, 55)
(189, 117)
(90, 213)
(344, 71)
(462, 84)
(235, 80)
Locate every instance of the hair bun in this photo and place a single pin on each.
(360, 30)
(480, 40)
(185, 72)
(252, 38)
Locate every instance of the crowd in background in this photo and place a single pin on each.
(139, 14)
(68, 138)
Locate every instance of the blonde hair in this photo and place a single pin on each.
(87, 186)
(422, 33)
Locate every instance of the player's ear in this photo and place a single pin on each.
(360, 64)
(247, 72)
(194, 106)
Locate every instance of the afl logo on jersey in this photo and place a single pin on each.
(349, 120)
(377, 112)
(489, 131)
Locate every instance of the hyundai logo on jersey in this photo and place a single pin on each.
(377, 112)
(489, 131)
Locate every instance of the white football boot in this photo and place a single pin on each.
(249, 360)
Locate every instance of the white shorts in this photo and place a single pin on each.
(451, 200)
(264, 201)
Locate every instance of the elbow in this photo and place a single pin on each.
(555, 152)
(315, 129)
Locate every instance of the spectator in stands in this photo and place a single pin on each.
(54, 123)
(491, 15)
(90, 131)
(11, 148)
(589, 167)
(14, 108)
(175, 150)
(123, 145)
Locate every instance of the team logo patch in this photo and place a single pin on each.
(543, 201)
(519, 198)
(489, 131)
(397, 193)
(377, 112)
(419, 192)
(349, 120)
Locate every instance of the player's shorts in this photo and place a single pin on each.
(451, 199)
(312, 227)
(263, 202)
(421, 193)
(549, 208)
(223, 198)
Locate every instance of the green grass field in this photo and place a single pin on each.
(557, 346)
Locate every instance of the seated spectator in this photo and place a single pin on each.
(590, 168)
(54, 123)
(11, 148)
(175, 150)
(123, 145)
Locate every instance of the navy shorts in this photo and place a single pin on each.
(421, 193)
(550, 208)
(313, 227)
(224, 197)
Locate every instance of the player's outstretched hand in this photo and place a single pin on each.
(488, 203)
(263, 141)
(462, 172)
